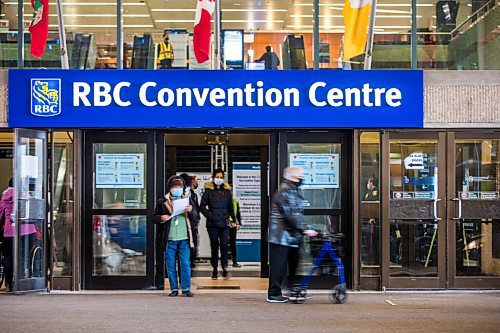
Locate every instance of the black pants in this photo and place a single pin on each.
(281, 257)
(194, 250)
(7, 249)
(232, 244)
(166, 63)
(219, 238)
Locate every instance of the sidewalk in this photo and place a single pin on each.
(249, 312)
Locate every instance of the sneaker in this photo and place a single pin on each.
(215, 275)
(187, 293)
(174, 293)
(277, 299)
(235, 264)
(225, 274)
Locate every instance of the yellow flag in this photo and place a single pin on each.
(356, 14)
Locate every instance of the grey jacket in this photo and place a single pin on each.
(287, 216)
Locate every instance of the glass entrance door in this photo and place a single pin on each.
(30, 210)
(324, 156)
(413, 228)
(474, 224)
(119, 203)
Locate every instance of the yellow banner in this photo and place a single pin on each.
(356, 14)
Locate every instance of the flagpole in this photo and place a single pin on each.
(62, 36)
(369, 40)
(119, 35)
(316, 34)
(20, 34)
(217, 27)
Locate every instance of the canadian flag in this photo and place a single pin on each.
(201, 35)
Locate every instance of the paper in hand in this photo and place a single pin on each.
(179, 206)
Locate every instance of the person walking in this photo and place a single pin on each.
(217, 206)
(165, 53)
(175, 236)
(234, 226)
(270, 59)
(286, 227)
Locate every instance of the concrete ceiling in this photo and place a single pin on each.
(99, 16)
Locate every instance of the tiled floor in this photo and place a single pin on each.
(236, 283)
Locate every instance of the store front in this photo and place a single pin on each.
(428, 220)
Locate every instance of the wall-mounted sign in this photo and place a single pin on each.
(413, 195)
(415, 161)
(478, 195)
(320, 170)
(207, 99)
(119, 171)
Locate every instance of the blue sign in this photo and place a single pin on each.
(208, 99)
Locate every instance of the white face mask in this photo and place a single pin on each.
(218, 181)
(368, 186)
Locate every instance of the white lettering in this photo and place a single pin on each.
(393, 97)
(333, 95)
(200, 99)
(101, 94)
(142, 94)
(312, 93)
(187, 93)
(378, 96)
(170, 97)
(116, 94)
(80, 92)
(366, 94)
(216, 95)
(288, 92)
(231, 92)
(278, 97)
(348, 97)
(249, 90)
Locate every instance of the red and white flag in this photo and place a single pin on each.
(39, 27)
(202, 31)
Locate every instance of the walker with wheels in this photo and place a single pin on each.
(321, 246)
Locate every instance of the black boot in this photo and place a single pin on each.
(215, 274)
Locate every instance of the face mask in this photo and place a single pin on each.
(368, 186)
(187, 191)
(218, 181)
(299, 182)
(176, 192)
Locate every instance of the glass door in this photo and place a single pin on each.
(413, 228)
(325, 158)
(30, 210)
(119, 202)
(474, 224)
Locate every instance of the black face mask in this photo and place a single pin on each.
(298, 183)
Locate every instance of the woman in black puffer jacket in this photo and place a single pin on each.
(217, 206)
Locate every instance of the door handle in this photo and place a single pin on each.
(459, 209)
(436, 218)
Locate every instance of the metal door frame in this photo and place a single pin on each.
(346, 139)
(31, 284)
(438, 282)
(119, 281)
(482, 282)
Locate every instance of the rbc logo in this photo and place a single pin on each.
(45, 97)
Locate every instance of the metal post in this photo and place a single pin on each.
(413, 34)
(119, 34)
(20, 34)
(217, 35)
(62, 36)
(316, 34)
(369, 40)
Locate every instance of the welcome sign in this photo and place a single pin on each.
(230, 99)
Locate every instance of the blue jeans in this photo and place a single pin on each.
(182, 248)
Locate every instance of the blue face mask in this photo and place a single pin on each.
(187, 191)
(176, 192)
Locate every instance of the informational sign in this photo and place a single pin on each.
(413, 195)
(320, 170)
(119, 171)
(478, 195)
(415, 161)
(232, 41)
(246, 189)
(178, 39)
(207, 99)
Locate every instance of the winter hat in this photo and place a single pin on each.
(174, 181)
(293, 173)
